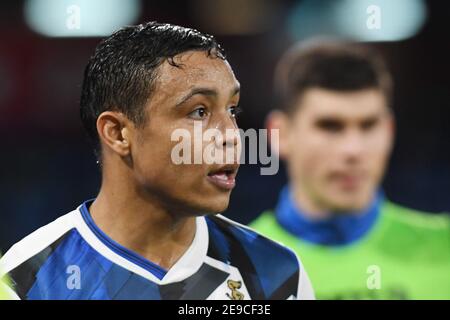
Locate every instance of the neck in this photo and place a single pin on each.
(141, 222)
(310, 208)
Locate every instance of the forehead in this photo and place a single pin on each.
(195, 69)
(357, 104)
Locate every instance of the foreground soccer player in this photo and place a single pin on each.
(146, 235)
(336, 133)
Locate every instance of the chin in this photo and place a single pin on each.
(212, 205)
(348, 201)
(220, 204)
(218, 207)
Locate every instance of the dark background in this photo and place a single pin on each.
(47, 167)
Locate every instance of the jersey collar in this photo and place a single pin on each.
(187, 265)
(342, 229)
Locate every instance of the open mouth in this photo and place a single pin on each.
(224, 177)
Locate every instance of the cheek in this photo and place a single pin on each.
(378, 150)
(151, 163)
(155, 168)
(152, 158)
(309, 154)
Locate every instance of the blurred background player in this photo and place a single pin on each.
(336, 134)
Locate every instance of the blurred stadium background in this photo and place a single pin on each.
(47, 167)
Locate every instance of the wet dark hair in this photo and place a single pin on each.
(334, 65)
(122, 72)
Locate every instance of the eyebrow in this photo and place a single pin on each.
(330, 119)
(206, 92)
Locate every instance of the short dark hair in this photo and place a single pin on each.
(121, 73)
(334, 65)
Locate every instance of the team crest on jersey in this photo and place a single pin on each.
(234, 285)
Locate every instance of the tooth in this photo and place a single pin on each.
(221, 176)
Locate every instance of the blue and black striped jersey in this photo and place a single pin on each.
(71, 258)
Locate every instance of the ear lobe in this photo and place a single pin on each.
(112, 131)
(276, 124)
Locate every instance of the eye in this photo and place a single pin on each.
(234, 111)
(199, 113)
(330, 125)
(369, 124)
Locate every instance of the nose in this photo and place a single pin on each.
(229, 132)
(352, 145)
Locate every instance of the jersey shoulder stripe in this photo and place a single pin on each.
(36, 242)
(270, 270)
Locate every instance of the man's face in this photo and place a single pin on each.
(337, 145)
(202, 90)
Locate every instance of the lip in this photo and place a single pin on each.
(349, 181)
(224, 177)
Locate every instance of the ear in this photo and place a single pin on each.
(114, 131)
(392, 130)
(278, 121)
